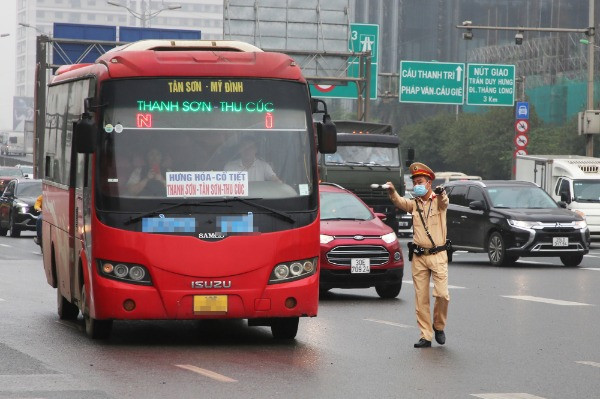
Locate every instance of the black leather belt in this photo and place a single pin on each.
(428, 251)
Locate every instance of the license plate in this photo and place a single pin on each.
(360, 265)
(403, 224)
(210, 304)
(560, 241)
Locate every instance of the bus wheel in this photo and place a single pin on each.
(14, 230)
(95, 329)
(285, 328)
(66, 310)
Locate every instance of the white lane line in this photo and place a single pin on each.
(505, 396)
(596, 269)
(1, 300)
(594, 364)
(206, 373)
(546, 300)
(6, 245)
(450, 287)
(40, 382)
(592, 256)
(389, 323)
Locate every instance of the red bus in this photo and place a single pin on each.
(180, 182)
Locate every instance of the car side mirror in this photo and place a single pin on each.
(380, 215)
(477, 205)
(562, 204)
(410, 156)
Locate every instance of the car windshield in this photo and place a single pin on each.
(29, 189)
(587, 190)
(364, 155)
(520, 197)
(10, 172)
(343, 206)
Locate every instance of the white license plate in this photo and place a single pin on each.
(360, 265)
(560, 241)
(403, 224)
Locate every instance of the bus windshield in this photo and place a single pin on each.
(182, 138)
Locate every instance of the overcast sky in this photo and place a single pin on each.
(8, 22)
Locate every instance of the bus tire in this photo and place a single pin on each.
(285, 327)
(3, 231)
(14, 230)
(66, 310)
(95, 329)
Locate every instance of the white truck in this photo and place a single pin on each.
(15, 144)
(573, 179)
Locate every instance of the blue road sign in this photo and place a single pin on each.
(522, 110)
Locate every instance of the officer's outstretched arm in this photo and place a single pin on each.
(400, 202)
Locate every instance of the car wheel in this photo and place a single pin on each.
(3, 231)
(388, 291)
(571, 260)
(95, 329)
(14, 230)
(497, 251)
(285, 328)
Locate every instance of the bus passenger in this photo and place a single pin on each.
(258, 170)
(148, 179)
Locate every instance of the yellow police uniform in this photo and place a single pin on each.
(433, 209)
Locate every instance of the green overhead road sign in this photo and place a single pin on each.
(431, 82)
(490, 84)
(363, 37)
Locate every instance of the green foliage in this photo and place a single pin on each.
(483, 143)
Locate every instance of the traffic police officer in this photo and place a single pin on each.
(429, 256)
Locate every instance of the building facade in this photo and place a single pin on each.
(40, 16)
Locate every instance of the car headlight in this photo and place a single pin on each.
(389, 238)
(522, 224)
(22, 207)
(325, 239)
(581, 224)
(295, 270)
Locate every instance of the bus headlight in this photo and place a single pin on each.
(125, 272)
(294, 270)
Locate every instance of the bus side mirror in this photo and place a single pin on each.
(410, 156)
(85, 134)
(565, 197)
(327, 136)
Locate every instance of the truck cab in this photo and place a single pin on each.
(367, 153)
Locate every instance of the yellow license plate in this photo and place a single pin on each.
(210, 304)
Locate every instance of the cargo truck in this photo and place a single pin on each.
(572, 179)
(368, 153)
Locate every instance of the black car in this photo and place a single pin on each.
(511, 219)
(16, 206)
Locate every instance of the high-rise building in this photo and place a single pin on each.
(40, 16)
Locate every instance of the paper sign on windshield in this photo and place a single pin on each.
(207, 184)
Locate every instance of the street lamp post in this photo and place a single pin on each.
(589, 32)
(147, 14)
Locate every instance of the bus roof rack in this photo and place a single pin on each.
(188, 45)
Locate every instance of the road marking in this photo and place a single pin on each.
(594, 364)
(390, 323)
(592, 256)
(206, 373)
(450, 287)
(505, 396)
(1, 300)
(596, 269)
(6, 245)
(41, 382)
(546, 300)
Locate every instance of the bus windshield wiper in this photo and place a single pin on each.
(283, 215)
(170, 206)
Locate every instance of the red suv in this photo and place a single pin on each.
(358, 250)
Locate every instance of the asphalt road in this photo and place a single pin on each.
(528, 331)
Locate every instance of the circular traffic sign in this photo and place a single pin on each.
(521, 140)
(324, 88)
(519, 151)
(522, 125)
